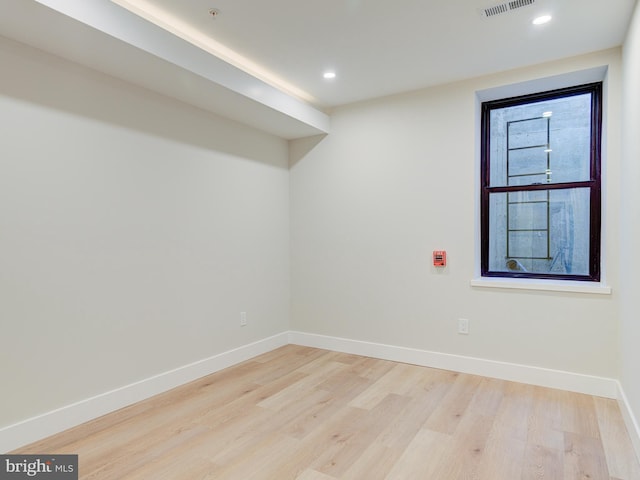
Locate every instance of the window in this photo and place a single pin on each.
(540, 185)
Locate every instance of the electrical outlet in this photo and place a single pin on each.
(243, 319)
(463, 326)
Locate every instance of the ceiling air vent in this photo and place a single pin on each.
(519, 3)
(505, 7)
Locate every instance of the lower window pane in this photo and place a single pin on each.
(540, 232)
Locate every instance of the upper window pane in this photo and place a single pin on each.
(541, 142)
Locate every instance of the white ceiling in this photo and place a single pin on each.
(261, 63)
(380, 47)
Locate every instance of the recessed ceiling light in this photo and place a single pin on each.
(329, 75)
(542, 20)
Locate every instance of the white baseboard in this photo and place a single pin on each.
(41, 426)
(14, 436)
(574, 382)
(630, 420)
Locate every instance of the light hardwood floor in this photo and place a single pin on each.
(309, 414)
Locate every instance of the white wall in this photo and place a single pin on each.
(397, 179)
(133, 230)
(630, 222)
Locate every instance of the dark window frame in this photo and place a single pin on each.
(594, 182)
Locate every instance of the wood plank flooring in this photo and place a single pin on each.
(307, 414)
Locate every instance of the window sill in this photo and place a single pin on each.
(545, 285)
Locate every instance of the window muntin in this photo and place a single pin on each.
(540, 205)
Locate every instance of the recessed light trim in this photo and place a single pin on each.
(329, 75)
(541, 20)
